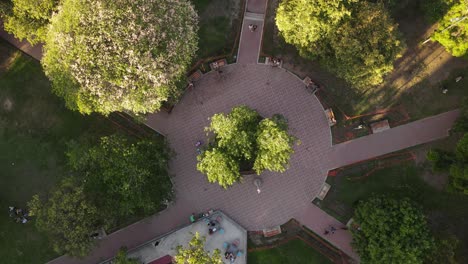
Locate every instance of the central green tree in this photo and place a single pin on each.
(355, 39)
(243, 140)
(119, 55)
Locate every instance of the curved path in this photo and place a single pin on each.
(284, 196)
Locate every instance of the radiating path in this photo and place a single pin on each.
(401, 137)
(284, 196)
(250, 42)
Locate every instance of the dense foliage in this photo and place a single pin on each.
(455, 162)
(67, 217)
(195, 253)
(391, 231)
(274, 145)
(122, 258)
(29, 19)
(119, 55)
(112, 181)
(434, 10)
(245, 141)
(133, 173)
(452, 32)
(6, 8)
(355, 39)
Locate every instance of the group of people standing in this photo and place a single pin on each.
(18, 214)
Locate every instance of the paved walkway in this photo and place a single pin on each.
(284, 196)
(33, 51)
(401, 137)
(250, 42)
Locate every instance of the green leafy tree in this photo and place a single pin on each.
(306, 23)
(134, 173)
(219, 167)
(445, 250)
(67, 217)
(6, 7)
(440, 159)
(452, 32)
(274, 146)
(434, 10)
(461, 125)
(245, 141)
(122, 258)
(459, 169)
(119, 55)
(236, 131)
(391, 231)
(29, 19)
(357, 40)
(195, 253)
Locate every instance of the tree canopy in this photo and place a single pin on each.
(132, 172)
(29, 19)
(452, 31)
(391, 231)
(455, 162)
(244, 141)
(122, 258)
(459, 168)
(355, 39)
(67, 217)
(119, 55)
(195, 253)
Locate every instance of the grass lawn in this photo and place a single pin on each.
(34, 129)
(293, 252)
(416, 84)
(447, 212)
(219, 23)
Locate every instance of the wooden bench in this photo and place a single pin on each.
(330, 117)
(272, 231)
(323, 192)
(380, 126)
(218, 64)
(195, 76)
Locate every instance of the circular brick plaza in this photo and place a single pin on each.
(269, 90)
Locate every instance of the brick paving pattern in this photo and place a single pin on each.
(284, 196)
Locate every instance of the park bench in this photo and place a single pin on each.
(218, 64)
(380, 126)
(195, 76)
(272, 231)
(330, 117)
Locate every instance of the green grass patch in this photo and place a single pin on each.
(214, 35)
(219, 23)
(447, 212)
(200, 5)
(34, 129)
(293, 252)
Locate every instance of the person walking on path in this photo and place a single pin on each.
(252, 27)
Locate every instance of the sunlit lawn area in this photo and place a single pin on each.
(416, 82)
(293, 252)
(34, 129)
(219, 23)
(447, 212)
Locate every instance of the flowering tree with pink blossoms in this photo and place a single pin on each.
(119, 55)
